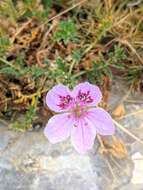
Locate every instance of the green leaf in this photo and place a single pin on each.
(76, 55)
(60, 63)
(47, 3)
(37, 72)
(9, 70)
(4, 42)
(66, 31)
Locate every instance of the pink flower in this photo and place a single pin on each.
(78, 116)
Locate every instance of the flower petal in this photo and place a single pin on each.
(59, 98)
(82, 136)
(87, 94)
(101, 121)
(59, 127)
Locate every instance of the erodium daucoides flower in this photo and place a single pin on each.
(78, 116)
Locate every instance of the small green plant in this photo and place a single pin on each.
(90, 42)
(77, 55)
(4, 44)
(116, 57)
(103, 67)
(18, 69)
(103, 28)
(65, 32)
(60, 72)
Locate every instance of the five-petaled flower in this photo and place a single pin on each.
(79, 116)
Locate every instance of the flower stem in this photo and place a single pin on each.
(71, 68)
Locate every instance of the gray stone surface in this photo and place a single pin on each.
(29, 162)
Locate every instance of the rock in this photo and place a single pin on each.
(29, 162)
(137, 177)
(6, 137)
(13, 180)
(57, 165)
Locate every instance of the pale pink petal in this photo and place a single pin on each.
(59, 98)
(59, 127)
(82, 136)
(87, 94)
(101, 121)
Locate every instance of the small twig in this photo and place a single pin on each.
(9, 64)
(134, 101)
(128, 132)
(67, 10)
(110, 3)
(6, 62)
(23, 97)
(110, 168)
(53, 25)
(125, 42)
(121, 20)
(103, 149)
(100, 141)
(117, 165)
(42, 52)
(133, 113)
(135, 3)
(38, 57)
(21, 29)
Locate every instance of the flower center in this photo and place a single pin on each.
(64, 101)
(78, 110)
(85, 97)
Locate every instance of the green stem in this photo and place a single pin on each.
(9, 64)
(78, 74)
(71, 67)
